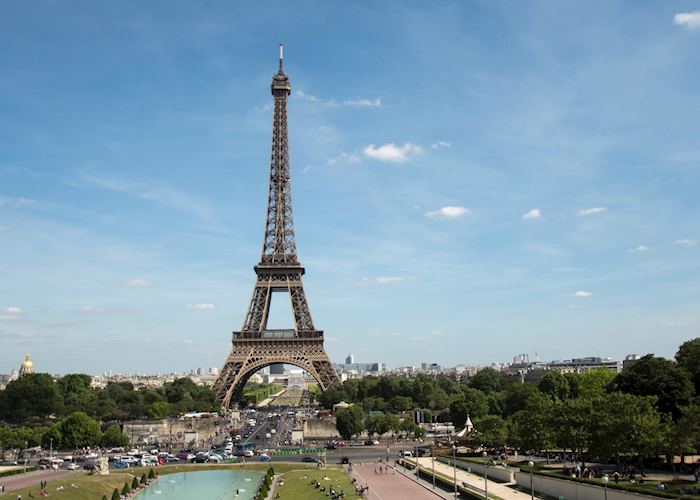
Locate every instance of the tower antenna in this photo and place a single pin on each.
(281, 55)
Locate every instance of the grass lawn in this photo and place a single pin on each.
(93, 487)
(297, 484)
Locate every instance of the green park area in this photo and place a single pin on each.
(301, 484)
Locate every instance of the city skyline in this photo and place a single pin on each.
(471, 182)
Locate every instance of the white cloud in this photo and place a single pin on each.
(436, 333)
(201, 307)
(393, 153)
(138, 283)
(533, 214)
(13, 310)
(15, 202)
(686, 243)
(91, 309)
(448, 212)
(440, 144)
(690, 20)
(383, 280)
(592, 211)
(640, 248)
(364, 103)
(583, 294)
(350, 158)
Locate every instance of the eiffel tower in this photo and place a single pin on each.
(279, 270)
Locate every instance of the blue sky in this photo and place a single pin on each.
(471, 180)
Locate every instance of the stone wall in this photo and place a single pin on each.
(174, 433)
(574, 490)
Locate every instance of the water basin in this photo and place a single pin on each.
(204, 485)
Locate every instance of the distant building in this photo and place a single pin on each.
(579, 365)
(521, 359)
(359, 368)
(350, 359)
(27, 366)
(277, 369)
(214, 371)
(630, 359)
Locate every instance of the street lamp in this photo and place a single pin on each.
(605, 485)
(531, 464)
(454, 466)
(432, 454)
(486, 475)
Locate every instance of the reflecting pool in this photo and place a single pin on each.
(205, 485)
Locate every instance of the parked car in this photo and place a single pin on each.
(73, 466)
(89, 467)
(121, 465)
(312, 460)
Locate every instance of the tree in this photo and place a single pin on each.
(624, 424)
(688, 358)
(650, 376)
(487, 380)
(79, 430)
(349, 421)
(135, 483)
(401, 403)
(115, 494)
(571, 420)
(533, 427)
(555, 385)
(114, 438)
(473, 402)
(34, 395)
(592, 383)
(517, 396)
(491, 431)
(126, 489)
(377, 424)
(159, 409)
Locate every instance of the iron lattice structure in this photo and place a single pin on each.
(279, 270)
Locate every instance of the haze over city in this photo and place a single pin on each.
(469, 183)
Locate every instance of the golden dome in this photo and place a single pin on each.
(27, 365)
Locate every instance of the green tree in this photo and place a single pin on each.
(52, 433)
(159, 409)
(624, 424)
(401, 403)
(135, 483)
(473, 402)
(688, 358)
(349, 421)
(126, 489)
(34, 395)
(555, 385)
(572, 420)
(114, 438)
(650, 376)
(592, 383)
(491, 431)
(533, 427)
(78, 430)
(487, 380)
(517, 396)
(115, 494)
(377, 424)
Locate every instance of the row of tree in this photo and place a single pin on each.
(351, 422)
(651, 407)
(35, 397)
(75, 431)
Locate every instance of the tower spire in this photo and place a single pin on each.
(281, 57)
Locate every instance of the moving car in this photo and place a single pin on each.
(309, 460)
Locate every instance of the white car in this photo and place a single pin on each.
(133, 451)
(215, 458)
(73, 466)
(91, 456)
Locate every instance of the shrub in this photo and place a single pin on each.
(115, 494)
(143, 478)
(151, 474)
(135, 484)
(126, 489)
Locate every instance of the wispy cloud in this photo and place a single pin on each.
(201, 307)
(592, 211)
(13, 310)
(582, 294)
(382, 280)
(448, 212)
(91, 309)
(686, 243)
(533, 214)
(640, 248)
(440, 144)
(362, 102)
(138, 283)
(344, 158)
(690, 20)
(392, 153)
(154, 191)
(15, 202)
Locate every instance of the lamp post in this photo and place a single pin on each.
(432, 454)
(531, 464)
(454, 466)
(486, 475)
(605, 485)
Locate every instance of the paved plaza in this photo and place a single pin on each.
(392, 485)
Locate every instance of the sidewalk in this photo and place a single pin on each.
(393, 485)
(501, 490)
